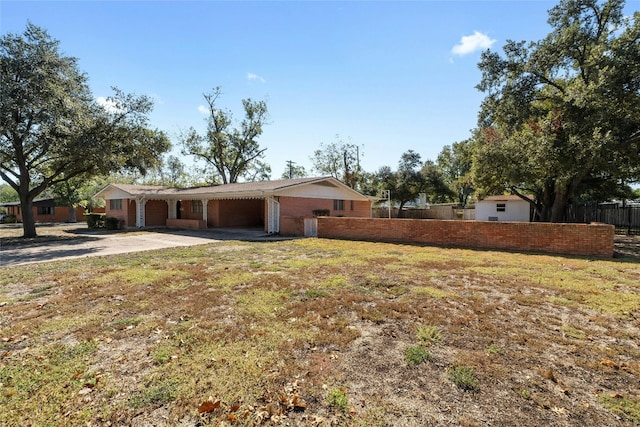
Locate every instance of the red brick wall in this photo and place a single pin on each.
(291, 225)
(156, 213)
(124, 213)
(304, 207)
(60, 214)
(293, 211)
(569, 239)
(186, 213)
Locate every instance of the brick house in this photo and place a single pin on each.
(44, 210)
(283, 206)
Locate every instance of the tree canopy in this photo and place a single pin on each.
(51, 128)
(455, 163)
(230, 152)
(340, 160)
(560, 114)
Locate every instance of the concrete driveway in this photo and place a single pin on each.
(91, 243)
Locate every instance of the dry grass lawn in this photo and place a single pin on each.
(319, 332)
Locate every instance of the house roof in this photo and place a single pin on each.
(318, 187)
(36, 202)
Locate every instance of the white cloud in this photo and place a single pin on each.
(252, 77)
(203, 109)
(472, 43)
(110, 106)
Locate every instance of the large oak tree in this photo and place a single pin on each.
(560, 114)
(52, 130)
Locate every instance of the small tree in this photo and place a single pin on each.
(406, 183)
(231, 152)
(455, 162)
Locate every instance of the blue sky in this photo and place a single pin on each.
(387, 75)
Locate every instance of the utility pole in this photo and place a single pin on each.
(290, 166)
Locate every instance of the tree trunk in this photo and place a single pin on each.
(563, 194)
(559, 205)
(400, 212)
(28, 221)
(72, 215)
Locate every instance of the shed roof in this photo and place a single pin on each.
(504, 198)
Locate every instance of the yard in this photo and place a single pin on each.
(322, 332)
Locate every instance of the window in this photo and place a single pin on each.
(501, 207)
(115, 204)
(196, 206)
(45, 210)
(351, 204)
(338, 205)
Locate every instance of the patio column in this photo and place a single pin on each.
(140, 214)
(205, 211)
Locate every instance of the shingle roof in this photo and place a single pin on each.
(255, 189)
(507, 197)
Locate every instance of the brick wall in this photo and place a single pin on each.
(293, 211)
(569, 239)
(156, 213)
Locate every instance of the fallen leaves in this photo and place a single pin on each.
(208, 406)
(275, 407)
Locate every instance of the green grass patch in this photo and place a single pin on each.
(464, 377)
(416, 355)
(429, 335)
(625, 406)
(433, 292)
(47, 378)
(338, 399)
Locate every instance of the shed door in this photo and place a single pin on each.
(273, 214)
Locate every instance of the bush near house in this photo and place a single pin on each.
(95, 220)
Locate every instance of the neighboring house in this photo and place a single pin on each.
(44, 210)
(503, 208)
(280, 206)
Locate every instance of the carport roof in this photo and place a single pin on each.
(257, 189)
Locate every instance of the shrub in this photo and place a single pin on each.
(95, 220)
(464, 377)
(417, 354)
(10, 219)
(429, 334)
(320, 212)
(112, 223)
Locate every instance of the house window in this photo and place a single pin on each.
(501, 207)
(338, 205)
(45, 210)
(351, 204)
(115, 204)
(196, 206)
